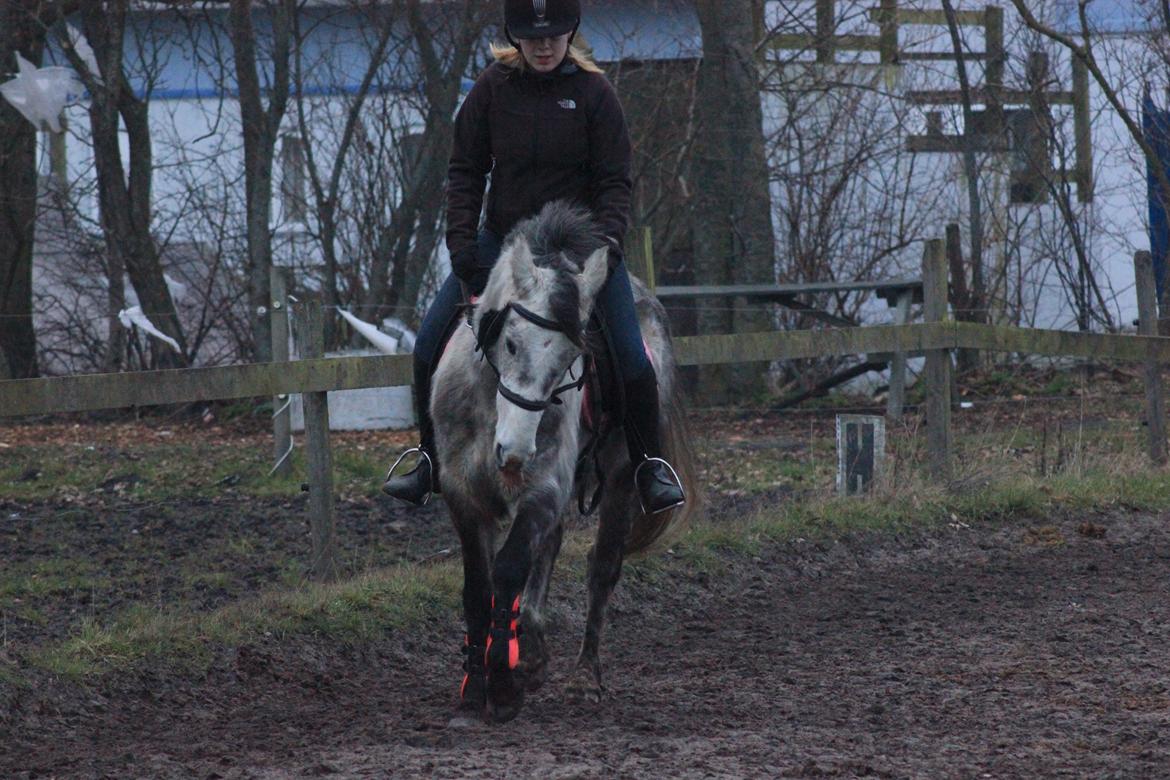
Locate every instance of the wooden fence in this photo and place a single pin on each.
(315, 376)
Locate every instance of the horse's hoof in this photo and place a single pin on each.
(503, 710)
(583, 686)
(533, 669)
(505, 695)
(535, 676)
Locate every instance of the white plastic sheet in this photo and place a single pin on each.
(371, 333)
(40, 94)
(134, 316)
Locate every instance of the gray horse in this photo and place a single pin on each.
(507, 408)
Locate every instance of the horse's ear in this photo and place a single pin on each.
(523, 266)
(593, 275)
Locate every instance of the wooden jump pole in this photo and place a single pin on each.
(311, 337)
(938, 362)
(1143, 266)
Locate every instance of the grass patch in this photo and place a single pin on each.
(923, 507)
(352, 611)
(401, 597)
(47, 578)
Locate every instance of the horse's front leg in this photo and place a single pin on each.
(520, 568)
(605, 567)
(476, 537)
(534, 655)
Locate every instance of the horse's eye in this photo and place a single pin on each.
(511, 345)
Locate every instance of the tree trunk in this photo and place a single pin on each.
(19, 32)
(260, 127)
(976, 300)
(734, 241)
(124, 196)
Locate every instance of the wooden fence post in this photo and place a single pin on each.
(1143, 266)
(281, 417)
(938, 362)
(640, 255)
(888, 37)
(311, 336)
(896, 399)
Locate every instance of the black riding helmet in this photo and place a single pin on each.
(540, 18)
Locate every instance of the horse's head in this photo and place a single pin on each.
(530, 322)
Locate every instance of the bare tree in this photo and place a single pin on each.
(261, 127)
(973, 308)
(734, 242)
(1082, 46)
(325, 177)
(124, 191)
(23, 29)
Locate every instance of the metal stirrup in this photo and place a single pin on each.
(677, 482)
(430, 477)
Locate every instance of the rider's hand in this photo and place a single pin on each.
(465, 265)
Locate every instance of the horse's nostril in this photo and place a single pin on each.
(499, 456)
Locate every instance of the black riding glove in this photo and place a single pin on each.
(465, 265)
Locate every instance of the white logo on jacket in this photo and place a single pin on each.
(567, 103)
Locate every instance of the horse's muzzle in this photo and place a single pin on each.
(509, 461)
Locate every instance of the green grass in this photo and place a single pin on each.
(174, 469)
(997, 480)
(356, 610)
(153, 471)
(401, 597)
(46, 578)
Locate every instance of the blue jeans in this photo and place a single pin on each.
(614, 304)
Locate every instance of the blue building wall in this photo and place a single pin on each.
(177, 55)
(1106, 16)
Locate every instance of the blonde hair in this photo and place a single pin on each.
(511, 57)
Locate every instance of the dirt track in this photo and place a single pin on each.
(1022, 651)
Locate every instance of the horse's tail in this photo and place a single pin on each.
(677, 450)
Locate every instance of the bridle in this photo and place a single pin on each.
(491, 325)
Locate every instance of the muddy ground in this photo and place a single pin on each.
(1034, 649)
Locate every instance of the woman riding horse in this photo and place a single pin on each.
(546, 124)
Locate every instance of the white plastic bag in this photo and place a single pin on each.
(134, 316)
(40, 94)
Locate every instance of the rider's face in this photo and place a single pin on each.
(544, 54)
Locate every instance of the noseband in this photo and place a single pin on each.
(491, 325)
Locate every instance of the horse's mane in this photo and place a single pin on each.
(561, 237)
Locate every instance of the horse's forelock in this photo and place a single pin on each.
(561, 238)
(561, 231)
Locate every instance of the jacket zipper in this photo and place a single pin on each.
(540, 100)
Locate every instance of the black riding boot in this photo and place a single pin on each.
(417, 485)
(657, 483)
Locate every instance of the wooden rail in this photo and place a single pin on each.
(317, 376)
(89, 392)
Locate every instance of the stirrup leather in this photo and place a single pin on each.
(430, 463)
(677, 482)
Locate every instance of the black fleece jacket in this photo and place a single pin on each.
(541, 137)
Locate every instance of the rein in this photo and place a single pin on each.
(490, 328)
